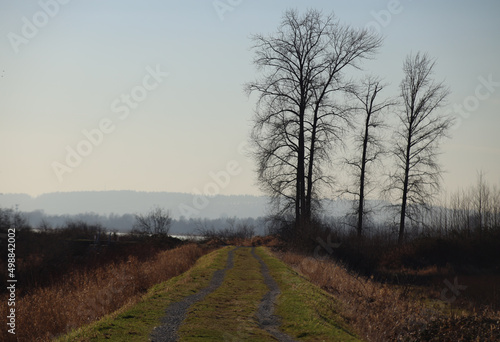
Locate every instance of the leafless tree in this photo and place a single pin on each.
(481, 202)
(44, 226)
(368, 141)
(495, 217)
(461, 211)
(299, 116)
(156, 223)
(12, 218)
(471, 211)
(416, 141)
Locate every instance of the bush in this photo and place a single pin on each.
(232, 232)
(156, 223)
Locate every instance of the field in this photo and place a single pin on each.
(428, 289)
(64, 281)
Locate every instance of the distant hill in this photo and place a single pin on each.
(115, 209)
(131, 202)
(180, 205)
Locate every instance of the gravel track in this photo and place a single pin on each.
(176, 312)
(267, 320)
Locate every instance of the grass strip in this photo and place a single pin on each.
(136, 323)
(307, 313)
(228, 313)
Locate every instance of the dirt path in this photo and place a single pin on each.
(176, 312)
(231, 294)
(267, 320)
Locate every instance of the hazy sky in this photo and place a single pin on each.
(147, 95)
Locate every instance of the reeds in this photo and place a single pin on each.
(85, 296)
(383, 312)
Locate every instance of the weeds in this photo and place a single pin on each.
(383, 312)
(86, 295)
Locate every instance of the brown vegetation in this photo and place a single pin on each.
(384, 312)
(84, 295)
(43, 258)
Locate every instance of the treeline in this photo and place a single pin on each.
(39, 220)
(469, 211)
(472, 210)
(124, 223)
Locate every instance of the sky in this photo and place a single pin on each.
(148, 95)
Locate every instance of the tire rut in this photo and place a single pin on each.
(268, 321)
(176, 312)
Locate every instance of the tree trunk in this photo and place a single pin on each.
(362, 181)
(308, 210)
(300, 191)
(405, 189)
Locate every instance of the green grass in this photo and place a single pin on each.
(136, 323)
(307, 312)
(228, 313)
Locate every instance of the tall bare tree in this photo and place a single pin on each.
(416, 142)
(369, 142)
(298, 118)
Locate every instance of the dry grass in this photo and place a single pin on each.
(86, 296)
(381, 312)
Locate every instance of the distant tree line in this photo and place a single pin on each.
(113, 222)
(470, 211)
(156, 221)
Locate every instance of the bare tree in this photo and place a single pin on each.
(416, 140)
(481, 202)
(13, 218)
(156, 223)
(495, 217)
(298, 116)
(474, 210)
(369, 142)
